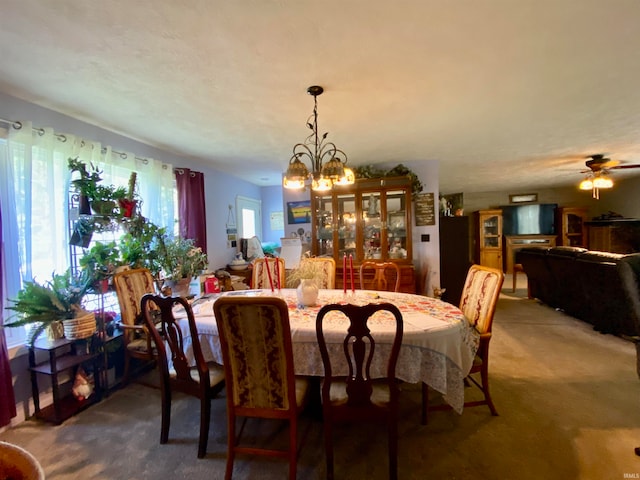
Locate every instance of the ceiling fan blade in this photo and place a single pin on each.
(618, 167)
(610, 164)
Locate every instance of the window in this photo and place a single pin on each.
(34, 196)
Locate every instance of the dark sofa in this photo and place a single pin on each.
(598, 287)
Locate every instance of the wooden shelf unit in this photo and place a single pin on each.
(488, 238)
(62, 358)
(570, 226)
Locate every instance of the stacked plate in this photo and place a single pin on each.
(82, 326)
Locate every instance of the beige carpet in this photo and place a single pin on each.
(568, 399)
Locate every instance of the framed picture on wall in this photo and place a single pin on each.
(299, 212)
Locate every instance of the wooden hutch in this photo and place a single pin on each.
(488, 238)
(369, 220)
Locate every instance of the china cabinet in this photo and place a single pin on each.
(488, 224)
(369, 220)
(570, 225)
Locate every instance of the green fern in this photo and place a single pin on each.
(42, 305)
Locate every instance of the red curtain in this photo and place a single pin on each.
(191, 206)
(7, 399)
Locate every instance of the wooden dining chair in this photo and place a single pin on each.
(202, 380)
(255, 339)
(260, 277)
(380, 281)
(357, 397)
(478, 304)
(131, 286)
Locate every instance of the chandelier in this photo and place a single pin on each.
(595, 182)
(317, 151)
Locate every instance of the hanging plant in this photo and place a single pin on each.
(371, 171)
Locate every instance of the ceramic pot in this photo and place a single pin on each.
(103, 207)
(307, 292)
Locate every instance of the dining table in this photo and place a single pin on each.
(438, 343)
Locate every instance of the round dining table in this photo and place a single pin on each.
(438, 344)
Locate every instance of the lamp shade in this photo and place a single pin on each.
(586, 184)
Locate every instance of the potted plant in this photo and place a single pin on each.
(83, 229)
(129, 202)
(85, 184)
(104, 199)
(180, 260)
(47, 306)
(140, 246)
(99, 263)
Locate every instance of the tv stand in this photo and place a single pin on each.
(513, 243)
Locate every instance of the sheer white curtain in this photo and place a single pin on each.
(10, 261)
(155, 183)
(34, 191)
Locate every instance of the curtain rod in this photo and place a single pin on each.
(18, 125)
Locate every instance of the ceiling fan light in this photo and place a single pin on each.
(586, 184)
(602, 182)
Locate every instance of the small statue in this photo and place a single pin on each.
(438, 292)
(373, 205)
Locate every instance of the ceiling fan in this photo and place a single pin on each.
(598, 173)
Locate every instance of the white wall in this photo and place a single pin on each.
(426, 255)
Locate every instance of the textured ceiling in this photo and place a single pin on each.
(512, 93)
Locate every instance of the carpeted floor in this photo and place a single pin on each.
(568, 399)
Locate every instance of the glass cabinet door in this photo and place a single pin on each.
(396, 224)
(370, 220)
(372, 226)
(346, 204)
(491, 230)
(324, 226)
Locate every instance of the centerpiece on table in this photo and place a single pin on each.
(306, 279)
(54, 307)
(180, 260)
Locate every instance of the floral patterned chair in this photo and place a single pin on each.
(478, 304)
(131, 286)
(260, 276)
(255, 339)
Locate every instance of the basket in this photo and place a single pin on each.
(80, 327)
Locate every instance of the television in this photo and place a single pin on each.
(530, 219)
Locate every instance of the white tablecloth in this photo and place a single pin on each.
(438, 345)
